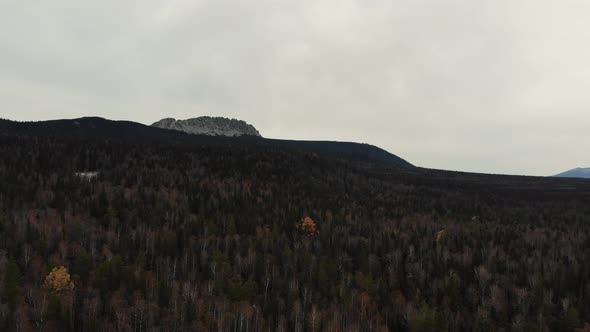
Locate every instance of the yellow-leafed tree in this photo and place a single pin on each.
(58, 280)
(308, 226)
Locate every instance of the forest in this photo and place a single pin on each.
(198, 237)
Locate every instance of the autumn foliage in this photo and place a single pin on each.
(308, 226)
(58, 280)
(441, 235)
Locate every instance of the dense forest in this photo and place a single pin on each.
(197, 237)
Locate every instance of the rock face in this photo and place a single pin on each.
(211, 126)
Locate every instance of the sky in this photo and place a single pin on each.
(497, 86)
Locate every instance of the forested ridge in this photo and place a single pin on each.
(183, 237)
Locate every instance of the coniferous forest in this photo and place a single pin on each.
(198, 237)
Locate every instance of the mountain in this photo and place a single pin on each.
(90, 128)
(211, 126)
(575, 173)
(96, 128)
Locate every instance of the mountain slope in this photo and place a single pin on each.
(89, 128)
(211, 126)
(127, 131)
(575, 173)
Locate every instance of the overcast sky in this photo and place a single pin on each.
(497, 86)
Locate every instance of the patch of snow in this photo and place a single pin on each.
(87, 175)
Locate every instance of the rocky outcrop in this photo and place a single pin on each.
(211, 126)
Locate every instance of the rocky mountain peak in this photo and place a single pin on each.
(211, 126)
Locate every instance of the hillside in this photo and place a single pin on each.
(132, 132)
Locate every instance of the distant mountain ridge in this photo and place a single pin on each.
(96, 128)
(210, 126)
(579, 172)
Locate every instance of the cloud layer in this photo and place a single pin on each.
(489, 86)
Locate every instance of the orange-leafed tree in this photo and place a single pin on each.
(58, 280)
(308, 226)
(440, 236)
